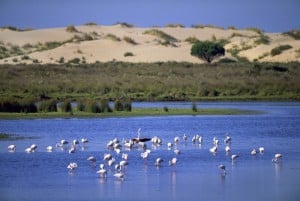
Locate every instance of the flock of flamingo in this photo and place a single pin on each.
(115, 145)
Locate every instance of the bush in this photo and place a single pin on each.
(118, 105)
(128, 106)
(279, 49)
(48, 106)
(104, 106)
(294, 34)
(80, 106)
(28, 106)
(129, 40)
(92, 107)
(66, 106)
(166, 109)
(207, 50)
(71, 29)
(194, 107)
(263, 39)
(128, 54)
(9, 105)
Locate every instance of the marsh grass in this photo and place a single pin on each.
(279, 49)
(151, 81)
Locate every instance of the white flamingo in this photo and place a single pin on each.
(277, 158)
(158, 162)
(72, 166)
(49, 149)
(253, 152)
(261, 150)
(12, 148)
(119, 175)
(173, 161)
(234, 157)
(227, 149)
(223, 168)
(91, 159)
(177, 151)
(214, 149)
(102, 171)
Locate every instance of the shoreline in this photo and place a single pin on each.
(137, 112)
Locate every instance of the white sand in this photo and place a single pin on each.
(147, 48)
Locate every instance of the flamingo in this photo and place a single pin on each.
(234, 157)
(72, 166)
(107, 157)
(102, 171)
(223, 168)
(33, 147)
(184, 137)
(215, 141)
(158, 162)
(91, 159)
(277, 157)
(253, 152)
(227, 139)
(145, 154)
(261, 150)
(170, 145)
(173, 161)
(176, 139)
(177, 151)
(84, 140)
(227, 149)
(125, 156)
(213, 150)
(119, 175)
(11, 148)
(49, 149)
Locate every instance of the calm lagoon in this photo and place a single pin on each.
(44, 175)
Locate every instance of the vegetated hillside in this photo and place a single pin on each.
(152, 81)
(123, 42)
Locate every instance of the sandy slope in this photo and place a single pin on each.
(148, 48)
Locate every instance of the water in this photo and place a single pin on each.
(196, 176)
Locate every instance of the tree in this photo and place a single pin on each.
(207, 50)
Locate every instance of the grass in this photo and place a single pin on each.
(134, 112)
(279, 49)
(134, 81)
(166, 37)
(5, 136)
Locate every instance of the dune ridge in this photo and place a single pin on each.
(111, 43)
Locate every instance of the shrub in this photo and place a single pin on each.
(25, 57)
(9, 105)
(128, 54)
(262, 39)
(293, 33)
(207, 50)
(194, 107)
(174, 25)
(66, 106)
(129, 40)
(61, 60)
(125, 24)
(74, 61)
(48, 106)
(166, 109)
(128, 106)
(279, 49)
(28, 106)
(104, 106)
(80, 106)
(112, 37)
(90, 24)
(192, 40)
(92, 107)
(71, 29)
(118, 105)
(161, 34)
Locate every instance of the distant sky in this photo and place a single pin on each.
(268, 15)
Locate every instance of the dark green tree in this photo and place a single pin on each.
(207, 50)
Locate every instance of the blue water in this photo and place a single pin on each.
(196, 176)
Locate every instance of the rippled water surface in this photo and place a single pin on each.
(44, 176)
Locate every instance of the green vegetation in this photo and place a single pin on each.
(279, 49)
(6, 136)
(167, 39)
(174, 25)
(16, 28)
(262, 39)
(71, 29)
(207, 50)
(134, 112)
(112, 37)
(151, 81)
(129, 40)
(128, 54)
(294, 34)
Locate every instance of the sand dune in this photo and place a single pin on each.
(110, 43)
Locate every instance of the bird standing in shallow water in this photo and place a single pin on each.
(223, 168)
